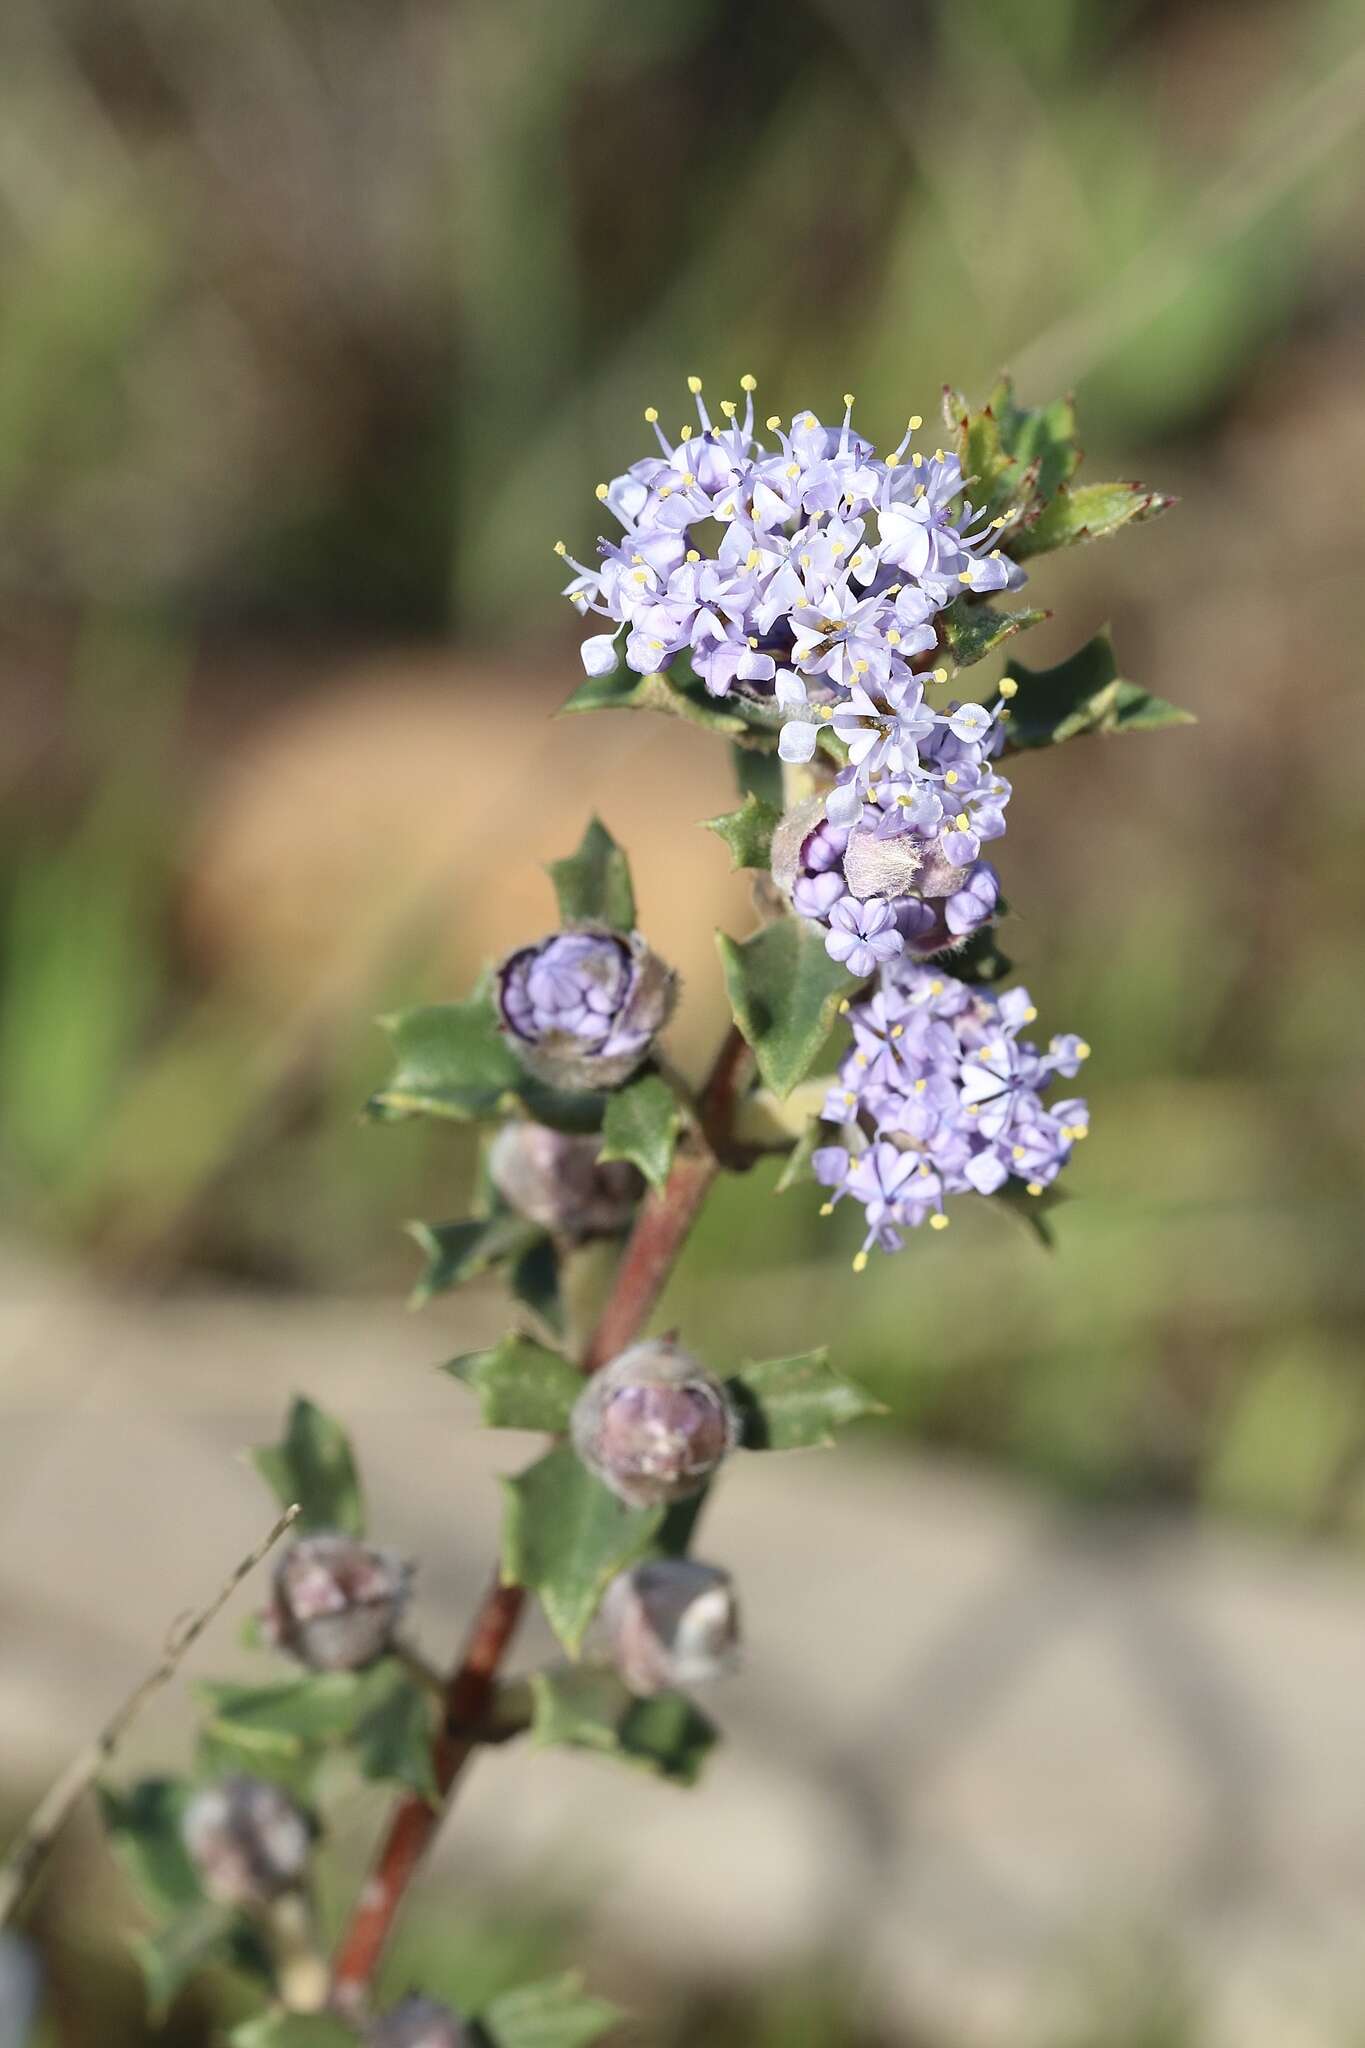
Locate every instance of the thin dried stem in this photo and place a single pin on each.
(29, 1850)
(660, 1232)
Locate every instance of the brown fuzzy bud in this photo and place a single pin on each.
(653, 1425)
(336, 1602)
(671, 1621)
(248, 1841)
(555, 1180)
(882, 867)
(417, 2022)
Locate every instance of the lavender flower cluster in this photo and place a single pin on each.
(939, 1095)
(822, 596)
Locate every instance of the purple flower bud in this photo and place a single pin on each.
(417, 2022)
(581, 1008)
(653, 1425)
(248, 1841)
(555, 1180)
(336, 1602)
(671, 1621)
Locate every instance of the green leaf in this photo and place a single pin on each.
(143, 1825)
(450, 1061)
(678, 695)
(641, 1125)
(456, 1252)
(393, 1736)
(314, 1466)
(973, 630)
(1084, 694)
(534, 1279)
(759, 774)
(794, 1404)
(980, 960)
(593, 884)
(555, 2014)
(748, 832)
(292, 2030)
(785, 993)
(588, 1707)
(1035, 1212)
(1015, 457)
(561, 1108)
(1090, 512)
(281, 1731)
(566, 1537)
(520, 1384)
(173, 1954)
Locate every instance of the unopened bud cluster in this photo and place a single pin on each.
(671, 1621)
(247, 1840)
(336, 1602)
(554, 1178)
(654, 1425)
(582, 1007)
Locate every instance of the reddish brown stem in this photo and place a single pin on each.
(660, 1232)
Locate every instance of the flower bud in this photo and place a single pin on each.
(653, 1425)
(555, 1180)
(876, 866)
(671, 1621)
(336, 1602)
(417, 2022)
(247, 1840)
(582, 1007)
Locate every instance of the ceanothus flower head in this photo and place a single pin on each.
(581, 1008)
(671, 1621)
(654, 1425)
(941, 1095)
(336, 1601)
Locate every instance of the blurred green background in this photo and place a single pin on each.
(318, 321)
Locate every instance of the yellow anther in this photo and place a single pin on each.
(694, 385)
(963, 822)
(685, 433)
(804, 560)
(793, 469)
(951, 778)
(938, 455)
(651, 413)
(860, 1263)
(915, 422)
(965, 575)
(560, 548)
(727, 511)
(893, 638)
(1079, 1131)
(640, 576)
(773, 421)
(897, 1031)
(601, 491)
(666, 491)
(748, 382)
(1030, 1014)
(838, 547)
(1035, 1187)
(843, 1007)
(936, 988)
(727, 406)
(940, 675)
(1082, 1051)
(860, 668)
(921, 1085)
(918, 461)
(827, 1208)
(860, 1059)
(688, 478)
(848, 398)
(1008, 686)
(1018, 1152)
(973, 1109)
(692, 555)
(753, 639)
(1003, 715)
(850, 1098)
(893, 460)
(751, 559)
(995, 554)
(811, 422)
(938, 1222)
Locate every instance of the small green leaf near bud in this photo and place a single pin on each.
(796, 1404)
(641, 1127)
(566, 1537)
(593, 883)
(973, 630)
(1089, 512)
(785, 993)
(555, 2014)
(457, 1252)
(313, 1466)
(748, 832)
(1083, 694)
(520, 1385)
(451, 1061)
(590, 1707)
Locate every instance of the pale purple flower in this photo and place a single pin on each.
(862, 935)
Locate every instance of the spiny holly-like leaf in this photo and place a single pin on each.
(785, 993)
(451, 1061)
(980, 960)
(172, 1955)
(555, 2014)
(1016, 457)
(748, 832)
(520, 1384)
(974, 630)
(281, 1730)
(392, 1736)
(456, 1252)
(534, 1279)
(1089, 512)
(594, 882)
(565, 1537)
(1083, 694)
(292, 2030)
(758, 774)
(588, 1707)
(678, 694)
(144, 1824)
(313, 1466)
(794, 1404)
(642, 1125)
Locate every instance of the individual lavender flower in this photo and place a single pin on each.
(941, 1095)
(247, 1840)
(417, 2022)
(554, 1178)
(862, 935)
(653, 1425)
(671, 1621)
(337, 1601)
(582, 1008)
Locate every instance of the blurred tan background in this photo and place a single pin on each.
(318, 322)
